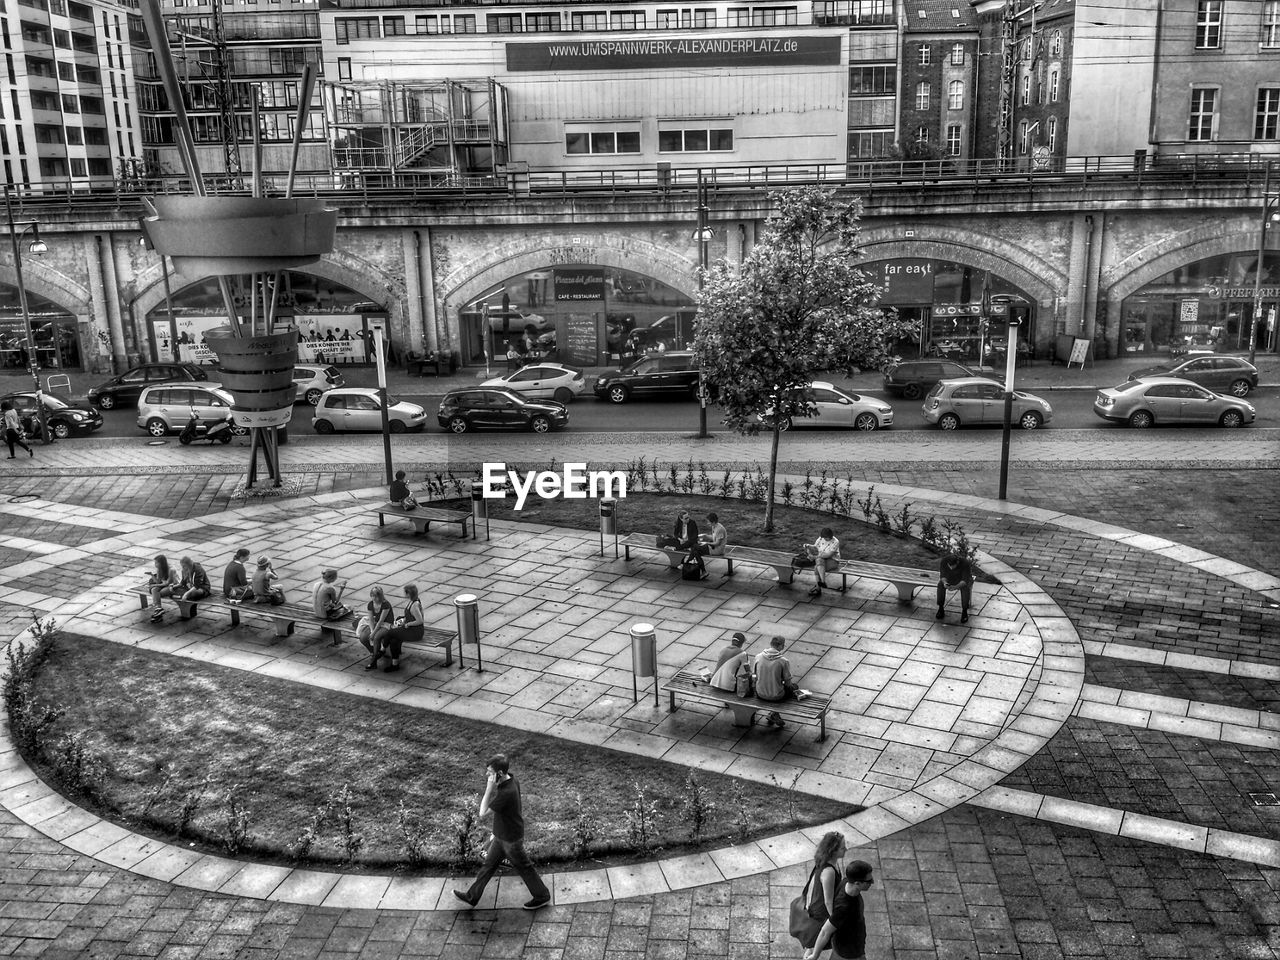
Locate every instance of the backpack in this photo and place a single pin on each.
(689, 569)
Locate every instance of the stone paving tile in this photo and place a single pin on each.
(1194, 781)
(1245, 692)
(51, 531)
(62, 580)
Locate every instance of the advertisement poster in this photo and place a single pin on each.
(333, 338)
(190, 333)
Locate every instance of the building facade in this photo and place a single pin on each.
(69, 118)
(940, 62)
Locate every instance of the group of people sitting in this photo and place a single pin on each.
(767, 676)
(380, 631)
(685, 536)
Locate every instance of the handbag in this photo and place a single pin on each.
(742, 685)
(409, 503)
(802, 926)
(802, 561)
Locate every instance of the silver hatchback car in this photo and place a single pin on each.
(977, 400)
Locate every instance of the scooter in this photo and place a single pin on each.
(222, 431)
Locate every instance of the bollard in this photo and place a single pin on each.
(468, 607)
(644, 659)
(609, 523)
(479, 509)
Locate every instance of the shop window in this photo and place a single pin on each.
(1208, 24)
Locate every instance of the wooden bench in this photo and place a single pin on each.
(906, 579)
(422, 517)
(283, 616)
(431, 637)
(689, 683)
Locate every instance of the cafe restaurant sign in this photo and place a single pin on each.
(674, 53)
(1242, 293)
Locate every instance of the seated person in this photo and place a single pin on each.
(375, 623)
(263, 590)
(954, 573)
(825, 552)
(193, 582)
(733, 663)
(773, 679)
(686, 536)
(399, 489)
(161, 583)
(514, 359)
(235, 581)
(326, 597)
(713, 543)
(409, 627)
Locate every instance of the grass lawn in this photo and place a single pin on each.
(154, 718)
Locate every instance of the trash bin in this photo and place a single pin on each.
(644, 659)
(608, 516)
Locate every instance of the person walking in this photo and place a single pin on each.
(846, 929)
(13, 430)
(502, 799)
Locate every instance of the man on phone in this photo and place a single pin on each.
(502, 799)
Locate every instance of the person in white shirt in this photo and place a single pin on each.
(825, 552)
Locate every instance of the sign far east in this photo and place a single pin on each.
(689, 53)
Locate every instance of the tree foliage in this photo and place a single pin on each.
(797, 306)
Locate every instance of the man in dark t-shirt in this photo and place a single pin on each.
(955, 573)
(398, 489)
(502, 799)
(846, 928)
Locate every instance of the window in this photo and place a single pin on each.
(1024, 138)
(75, 135)
(77, 167)
(1208, 24)
(871, 81)
(922, 95)
(542, 22)
(1271, 23)
(608, 141)
(1053, 86)
(393, 27)
(66, 71)
(70, 104)
(426, 23)
(773, 16)
(1026, 89)
(955, 95)
(626, 21)
(704, 17)
(344, 68)
(739, 17)
(504, 23)
(957, 54)
(588, 21)
(925, 54)
(464, 23)
(922, 134)
(1267, 114)
(695, 141)
(1055, 44)
(355, 28)
(953, 139)
(1051, 133)
(668, 19)
(1204, 102)
(870, 144)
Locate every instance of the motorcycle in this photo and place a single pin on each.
(220, 432)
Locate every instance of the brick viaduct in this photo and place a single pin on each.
(1077, 251)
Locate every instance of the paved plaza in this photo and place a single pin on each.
(1067, 775)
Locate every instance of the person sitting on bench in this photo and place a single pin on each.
(773, 677)
(731, 664)
(954, 573)
(235, 581)
(398, 491)
(686, 534)
(825, 553)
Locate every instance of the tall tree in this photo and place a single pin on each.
(797, 304)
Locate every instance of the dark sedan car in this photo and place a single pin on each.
(914, 378)
(659, 374)
(65, 418)
(495, 408)
(125, 389)
(1232, 375)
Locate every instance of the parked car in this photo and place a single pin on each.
(1160, 400)
(542, 381)
(313, 379)
(358, 408)
(125, 389)
(498, 408)
(655, 375)
(974, 400)
(836, 408)
(1233, 375)
(914, 378)
(166, 408)
(64, 418)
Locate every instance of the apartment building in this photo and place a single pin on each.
(940, 63)
(68, 116)
(229, 55)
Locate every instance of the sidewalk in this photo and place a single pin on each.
(1041, 375)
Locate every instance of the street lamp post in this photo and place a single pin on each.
(1270, 214)
(703, 237)
(1010, 359)
(17, 230)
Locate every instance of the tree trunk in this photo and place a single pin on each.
(773, 472)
